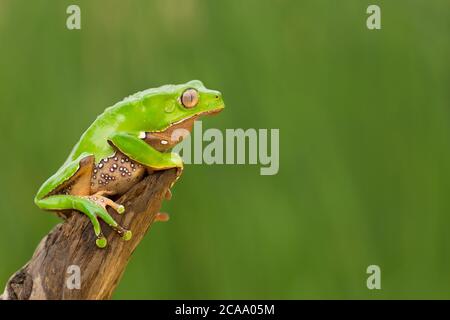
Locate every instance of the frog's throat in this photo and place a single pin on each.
(169, 137)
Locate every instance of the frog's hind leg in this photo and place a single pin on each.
(69, 189)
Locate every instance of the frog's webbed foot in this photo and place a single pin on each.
(104, 202)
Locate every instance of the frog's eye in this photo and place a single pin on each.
(189, 98)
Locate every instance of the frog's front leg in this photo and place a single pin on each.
(138, 150)
(69, 189)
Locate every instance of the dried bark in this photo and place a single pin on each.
(72, 242)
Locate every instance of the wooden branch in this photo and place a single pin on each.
(73, 243)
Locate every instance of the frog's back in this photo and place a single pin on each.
(95, 139)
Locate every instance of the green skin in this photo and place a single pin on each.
(122, 128)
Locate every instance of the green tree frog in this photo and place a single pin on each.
(127, 140)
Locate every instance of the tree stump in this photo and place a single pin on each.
(72, 243)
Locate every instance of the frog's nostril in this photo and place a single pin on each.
(217, 97)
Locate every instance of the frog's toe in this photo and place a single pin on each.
(124, 233)
(101, 241)
(127, 235)
(120, 209)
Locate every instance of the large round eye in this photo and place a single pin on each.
(189, 98)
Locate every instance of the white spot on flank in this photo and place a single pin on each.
(164, 142)
(142, 135)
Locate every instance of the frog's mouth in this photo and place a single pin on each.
(175, 133)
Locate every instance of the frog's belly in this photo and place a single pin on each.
(116, 174)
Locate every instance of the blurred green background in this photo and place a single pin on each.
(364, 125)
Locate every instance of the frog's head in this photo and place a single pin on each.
(176, 108)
